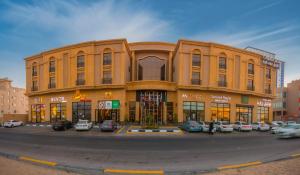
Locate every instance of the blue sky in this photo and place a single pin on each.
(30, 26)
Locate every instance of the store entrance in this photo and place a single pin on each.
(151, 106)
(81, 110)
(244, 113)
(37, 113)
(107, 114)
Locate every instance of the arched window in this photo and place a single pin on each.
(34, 69)
(52, 64)
(222, 61)
(151, 68)
(80, 59)
(107, 57)
(196, 58)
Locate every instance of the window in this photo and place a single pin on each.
(52, 82)
(220, 111)
(170, 117)
(80, 78)
(193, 110)
(38, 113)
(244, 113)
(81, 110)
(34, 85)
(196, 60)
(262, 114)
(268, 88)
(268, 73)
(151, 68)
(34, 70)
(107, 59)
(222, 63)
(80, 61)
(132, 108)
(107, 79)
(52, 66)
(222, 80)
(57, 111)
(196, 78)
(250, 85)
(251, 68)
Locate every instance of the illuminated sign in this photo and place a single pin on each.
(188, 96)
(221, 99)
(57, 99)
(264, 102)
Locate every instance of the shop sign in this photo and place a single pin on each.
(221, 99)
(101, 105)
(108, 95)
(191, 96)
(38, 100)
(264, 102)
(245, 99)
(115, 104)
(108, 104)
(57, 99)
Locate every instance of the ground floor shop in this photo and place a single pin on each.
(142, 106)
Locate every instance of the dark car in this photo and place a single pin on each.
(108, 125)
(62, 125)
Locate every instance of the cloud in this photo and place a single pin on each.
(73, 21)
(260, 8)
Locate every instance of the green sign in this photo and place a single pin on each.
(115, 104)
(245, 99)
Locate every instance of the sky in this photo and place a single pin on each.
(29, 27)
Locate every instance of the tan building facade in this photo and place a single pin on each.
(293, 100)
(279, 104)
(113, 79)
(12, 99)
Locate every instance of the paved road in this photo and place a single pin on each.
(189, 153)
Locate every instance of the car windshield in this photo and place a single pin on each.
(225, 123)
(82, 121)
(194, 123)
(290, 126)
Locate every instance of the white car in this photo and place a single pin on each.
(223, 126)
(277, 124)
(83, 125)
(205, 127)
(242, 126)
(260, 126)
(289, 131)
(12, 123)
(290, 122)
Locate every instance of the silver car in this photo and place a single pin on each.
(289, 131)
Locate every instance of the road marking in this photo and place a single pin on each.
(38, 161)
(121, 129)
(161, 172)
(295, 155)
(239, 165)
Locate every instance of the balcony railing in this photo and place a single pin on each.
(222, 83)
(196, 81)
(106, 62)
(34, 74)
(51, 85)
(196, 63)
(250, 88)
(268, 76)
(268, 91)
(107, 80)
(251, 72)
(222, 66)
(51, 69)
(80, 82)
(34, 88)
(80, 64)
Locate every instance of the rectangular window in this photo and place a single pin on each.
(250, 85)
(34, 85)
(251, 68)
(222, 80)
(268, 88)
(196, 60)
(57, 111)
(244, 113)
(196, 78)
(170, 117)
(52, 66)
(222, 63)
(262, 114)
(81, 110)
(268, 73)
(52, 83)
(80, 78)
(107, 78)
(132, 111)
(34, 71)
(220, 111)
(107, 59)
(80, 61)
(193, 110)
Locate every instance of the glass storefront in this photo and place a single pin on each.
(81, 110)
(193, 110)
(262, 114)
(244, 113)
(108, 110)
(220, 111)
(38, 113)
(57, 111)
(132, 111)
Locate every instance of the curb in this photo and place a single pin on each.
(154, 130)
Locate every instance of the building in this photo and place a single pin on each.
(113, 79)
(12, 99)
(293, 100)
(279, 104)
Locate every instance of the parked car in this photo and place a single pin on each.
(191, 126)
(260, 126)
(62, 125)
(223, 126)
(108, 125)
(12, 123)
(205, 127)
(289, 131)
(290, 123)
(83, 125)
(276, 125)
(242, 126)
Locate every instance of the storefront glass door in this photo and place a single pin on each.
(57, 111)
(193, 110)
(244, 113)
(220, 111)
(38, 113)
(81, 110)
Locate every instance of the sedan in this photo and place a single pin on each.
(242, 126)
(83, 125)
(12, 123)
(223, 126)
(260, 126)
(108, 125)
(61, 125)
(191, 126)
(289, 131)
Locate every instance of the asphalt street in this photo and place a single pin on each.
(173, 154)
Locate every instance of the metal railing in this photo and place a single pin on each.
(80, 64)
(34, 88)
(268, 91)
(196, 81)
(107, 81)
(222, 83)
(251, 88)
(80, 82)
(222, 66)
(51, 85)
